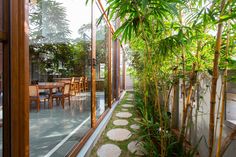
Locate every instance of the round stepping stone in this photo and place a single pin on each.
(137, 119)
(120, 122)
(109, 150)
(124, 109)
(123, 114)
(127, 105)
(136, 148)
(135, 126)
(118, 134)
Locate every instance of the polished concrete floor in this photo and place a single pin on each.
(53, 132)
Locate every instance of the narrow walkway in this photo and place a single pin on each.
(120, 136)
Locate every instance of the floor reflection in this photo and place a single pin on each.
(55, 131)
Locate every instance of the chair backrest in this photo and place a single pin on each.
(81, 79)
(33, 90)
(66, 89)
(72, 80)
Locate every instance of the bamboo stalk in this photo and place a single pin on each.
(214, 83)
(223, 93)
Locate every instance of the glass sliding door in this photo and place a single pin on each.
(102, 62)
(60, 75)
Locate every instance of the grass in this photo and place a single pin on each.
(122, 144)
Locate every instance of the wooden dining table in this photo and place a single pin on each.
(50, 86)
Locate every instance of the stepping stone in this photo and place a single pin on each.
(137, 119)
(127, 105)
(124, 109)
(135, 126)
(109, 150)
(136, 148)
(118, 134)
(123, 115)
(120, 122)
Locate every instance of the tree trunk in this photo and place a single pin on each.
(174, 110)
(214, 84)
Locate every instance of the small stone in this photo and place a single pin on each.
(137, 119)
(127, 105)
(119, 134)
(120, 122)
(123, 115)
(135, 126)
(136, 148)
(124, 109)
(109, 150)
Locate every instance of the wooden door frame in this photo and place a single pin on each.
(19, 79)
(93, 68)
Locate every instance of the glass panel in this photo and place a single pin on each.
(60, 72)
(102, 63)
(1, 15)
(1, 95)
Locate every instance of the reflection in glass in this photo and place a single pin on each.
(60, 100)
(102, 62)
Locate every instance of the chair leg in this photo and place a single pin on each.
(44, 103)
(62, 102)
(69, 100)
(38, 105)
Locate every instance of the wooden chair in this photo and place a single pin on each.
(81, 84)
(35, 97)
(74, 89)
(61, 96)
(85, 83)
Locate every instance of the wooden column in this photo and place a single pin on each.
(93, 70)
(114, 61)
(19, 82)
(118, 69)
(124, 70)
(109, 69)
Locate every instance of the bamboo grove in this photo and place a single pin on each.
(173, 42)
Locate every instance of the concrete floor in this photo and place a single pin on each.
(54, 132)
